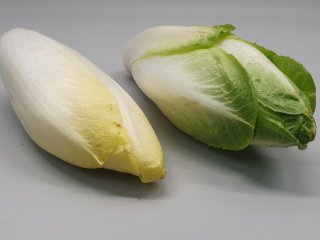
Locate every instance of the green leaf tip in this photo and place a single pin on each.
(224, 28)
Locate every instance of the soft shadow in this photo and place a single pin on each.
(33, 162)
(106, 181)
(266, 169)
(252, 170)
(259, 168)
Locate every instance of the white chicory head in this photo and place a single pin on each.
(75, 111)
(222, 90)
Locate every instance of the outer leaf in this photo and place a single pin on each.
(274, 89)
(206, 93)
(279, 129)
(295, 71)
(284, 117)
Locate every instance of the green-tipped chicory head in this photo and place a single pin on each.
(222, 90)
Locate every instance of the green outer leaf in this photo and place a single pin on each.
(279, 129)
(284, 116)
(206, 93)
(274, 89)
(295, 71)
(215, 129)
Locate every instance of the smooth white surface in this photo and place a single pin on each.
(259, 193)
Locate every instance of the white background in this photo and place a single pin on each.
(259, 193)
